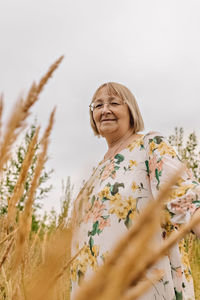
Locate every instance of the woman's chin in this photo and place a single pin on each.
(105, 131)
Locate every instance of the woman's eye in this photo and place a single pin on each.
(114, 103)
(98, 105)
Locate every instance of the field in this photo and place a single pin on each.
(35, 254)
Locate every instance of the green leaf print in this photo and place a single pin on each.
(147, 166)
(128, 221)
(158, 139)
(157, 177)
(116, 168)
(93, 199)
(105, 217)
(196, 202)
(114, 189)
(91, 243)
(119, 158)
(95, 229)
(179, 295)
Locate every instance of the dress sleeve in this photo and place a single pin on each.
(161, 163)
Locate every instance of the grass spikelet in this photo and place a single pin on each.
(46, 77)
(8, 236)
(19, 187)
(25, 217)
(9, 245)
(20, 113)
(143, 286)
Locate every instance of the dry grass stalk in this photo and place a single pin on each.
(46, 77)
(119, 266)
(8, 236)
(9, 245)
(26, 216)
(42, 285)
(143, 286)
(19, 187)
(20, 113)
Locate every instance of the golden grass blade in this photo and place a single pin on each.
(20, 113)
(10, 243)
(19, 187)
(8, 236)
(42, 285)
(46, 77)
(13, 129)
(26, 216)
(135, 292)
(36, 237)
(38, 169)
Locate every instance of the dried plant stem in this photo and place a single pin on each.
(8, 236)
(66, 266)
(20, 113)
(25, 218)
(38, 287)
(19, 187)
(10, 243)
(134, 292)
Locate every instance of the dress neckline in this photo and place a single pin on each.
(125, 148)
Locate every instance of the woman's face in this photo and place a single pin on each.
(110, 114)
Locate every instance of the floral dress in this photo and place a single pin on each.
(116, 193)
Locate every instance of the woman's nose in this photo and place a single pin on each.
(106, 107)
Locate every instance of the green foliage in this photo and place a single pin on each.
(11, 173)
(188, 150)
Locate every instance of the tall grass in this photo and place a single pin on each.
(36, 265)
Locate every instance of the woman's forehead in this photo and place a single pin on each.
(106, 90)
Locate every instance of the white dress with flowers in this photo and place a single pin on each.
(119, 190)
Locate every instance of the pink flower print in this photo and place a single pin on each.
(184, 204)
(94, 212)
(153, 165)
(104, 223)
(109, 170)
(179, 272)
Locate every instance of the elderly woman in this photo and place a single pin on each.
(130, 174)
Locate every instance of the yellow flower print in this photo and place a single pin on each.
(137, 143)
(134, 186)
(152, 147)
(84, 260)
(180, 190)
(122, 207)
(163, 149)
(132, 163)
(104, 193)
(185, 261)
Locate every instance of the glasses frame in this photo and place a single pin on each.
(92, 108)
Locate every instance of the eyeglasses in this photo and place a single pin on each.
(99, 105)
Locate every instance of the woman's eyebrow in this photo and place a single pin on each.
(100, 100)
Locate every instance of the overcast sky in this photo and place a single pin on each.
(152, 47)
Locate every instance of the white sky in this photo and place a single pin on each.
(150, 46)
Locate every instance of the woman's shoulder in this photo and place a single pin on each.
(155, 136)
